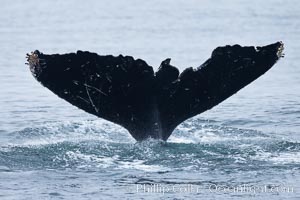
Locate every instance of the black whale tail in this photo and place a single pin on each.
(128, 92)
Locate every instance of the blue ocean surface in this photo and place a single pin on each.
(248, 147)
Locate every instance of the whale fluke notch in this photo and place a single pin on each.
(126, 91)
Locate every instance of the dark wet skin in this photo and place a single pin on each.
(128, 92)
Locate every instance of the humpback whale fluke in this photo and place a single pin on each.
(126, 91)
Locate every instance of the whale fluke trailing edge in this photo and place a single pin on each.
(128, 92)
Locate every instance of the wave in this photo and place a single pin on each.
(197, 145)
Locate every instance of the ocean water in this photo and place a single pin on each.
(248, 147)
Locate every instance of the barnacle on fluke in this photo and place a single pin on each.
(34, 62)
(127, 92)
